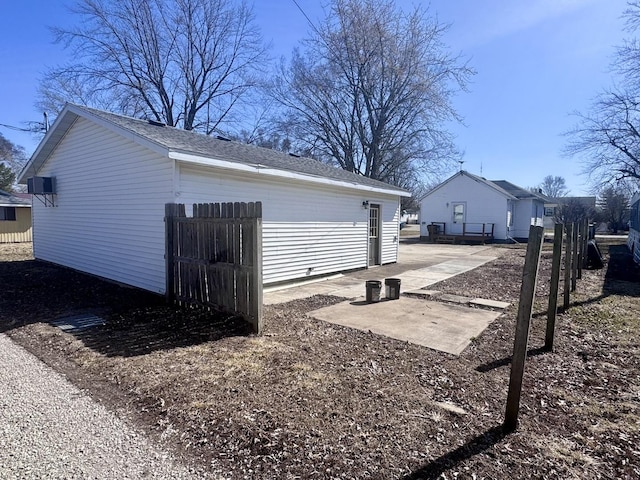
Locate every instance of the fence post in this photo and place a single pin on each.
(574, 256)
(256, 261)
(555, 282)
(585, 243)
(169, 215)
(523, 322)
(567, 264)
(580, 242)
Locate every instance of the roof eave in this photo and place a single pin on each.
(475, 178)
(278, 173)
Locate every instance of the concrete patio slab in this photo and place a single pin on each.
(440, 326)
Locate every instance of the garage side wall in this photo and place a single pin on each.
(307, 230)
(482, 205)
(109, 213)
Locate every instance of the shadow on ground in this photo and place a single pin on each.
(136, 322)
(435, 468)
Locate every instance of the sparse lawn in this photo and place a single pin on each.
(313, 400)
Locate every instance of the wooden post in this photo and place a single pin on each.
(574, 257)
(585, 242)
(567, 264)
(169, 214)
(555, 282)
(581, 233)
(527, 292)
(256, 260)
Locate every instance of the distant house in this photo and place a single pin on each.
(553, 205)
(410, 215)
(15, 217)
(110, 176)
(466, 205)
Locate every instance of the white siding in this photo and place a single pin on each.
(307, 230)
(390, 232)
(483, 205)
(527, 212)
(109, 214)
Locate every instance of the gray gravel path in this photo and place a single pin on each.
(50, 429)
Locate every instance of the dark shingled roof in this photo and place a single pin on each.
(190, 142)
(517, 191)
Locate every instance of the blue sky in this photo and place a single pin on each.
(537, 61)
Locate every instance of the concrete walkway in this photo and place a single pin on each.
(438, 325)
(443, 261)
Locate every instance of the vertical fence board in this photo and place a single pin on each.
(214, 258)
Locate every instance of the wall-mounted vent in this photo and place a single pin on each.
(41, 185)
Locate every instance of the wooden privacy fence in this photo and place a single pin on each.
(214, 258)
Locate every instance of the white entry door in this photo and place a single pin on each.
(458, 217)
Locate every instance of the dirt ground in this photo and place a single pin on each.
(314, 400)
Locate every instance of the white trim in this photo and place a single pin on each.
(259, 169)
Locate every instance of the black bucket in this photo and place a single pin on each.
(392, 288)
(373, 290)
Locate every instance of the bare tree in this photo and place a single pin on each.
(187, 63)
(371, 91)
(12, 159)
(554, 187)
(607, 138)
(613, 208)
(573, 211)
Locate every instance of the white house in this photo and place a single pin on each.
(112, 176)
(468, 203)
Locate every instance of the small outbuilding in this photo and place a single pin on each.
(466, 207)
(105, 179)
(15, 217)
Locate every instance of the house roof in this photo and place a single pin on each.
(519, 192)
(10, 200)
(482, 180)
(507, 189)
(189, 146)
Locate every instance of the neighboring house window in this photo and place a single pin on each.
(510, 215)
(549, 211)
(458, 213)
(8, 214)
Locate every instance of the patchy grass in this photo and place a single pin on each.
(313, 400)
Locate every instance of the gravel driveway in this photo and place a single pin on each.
(50, 429)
